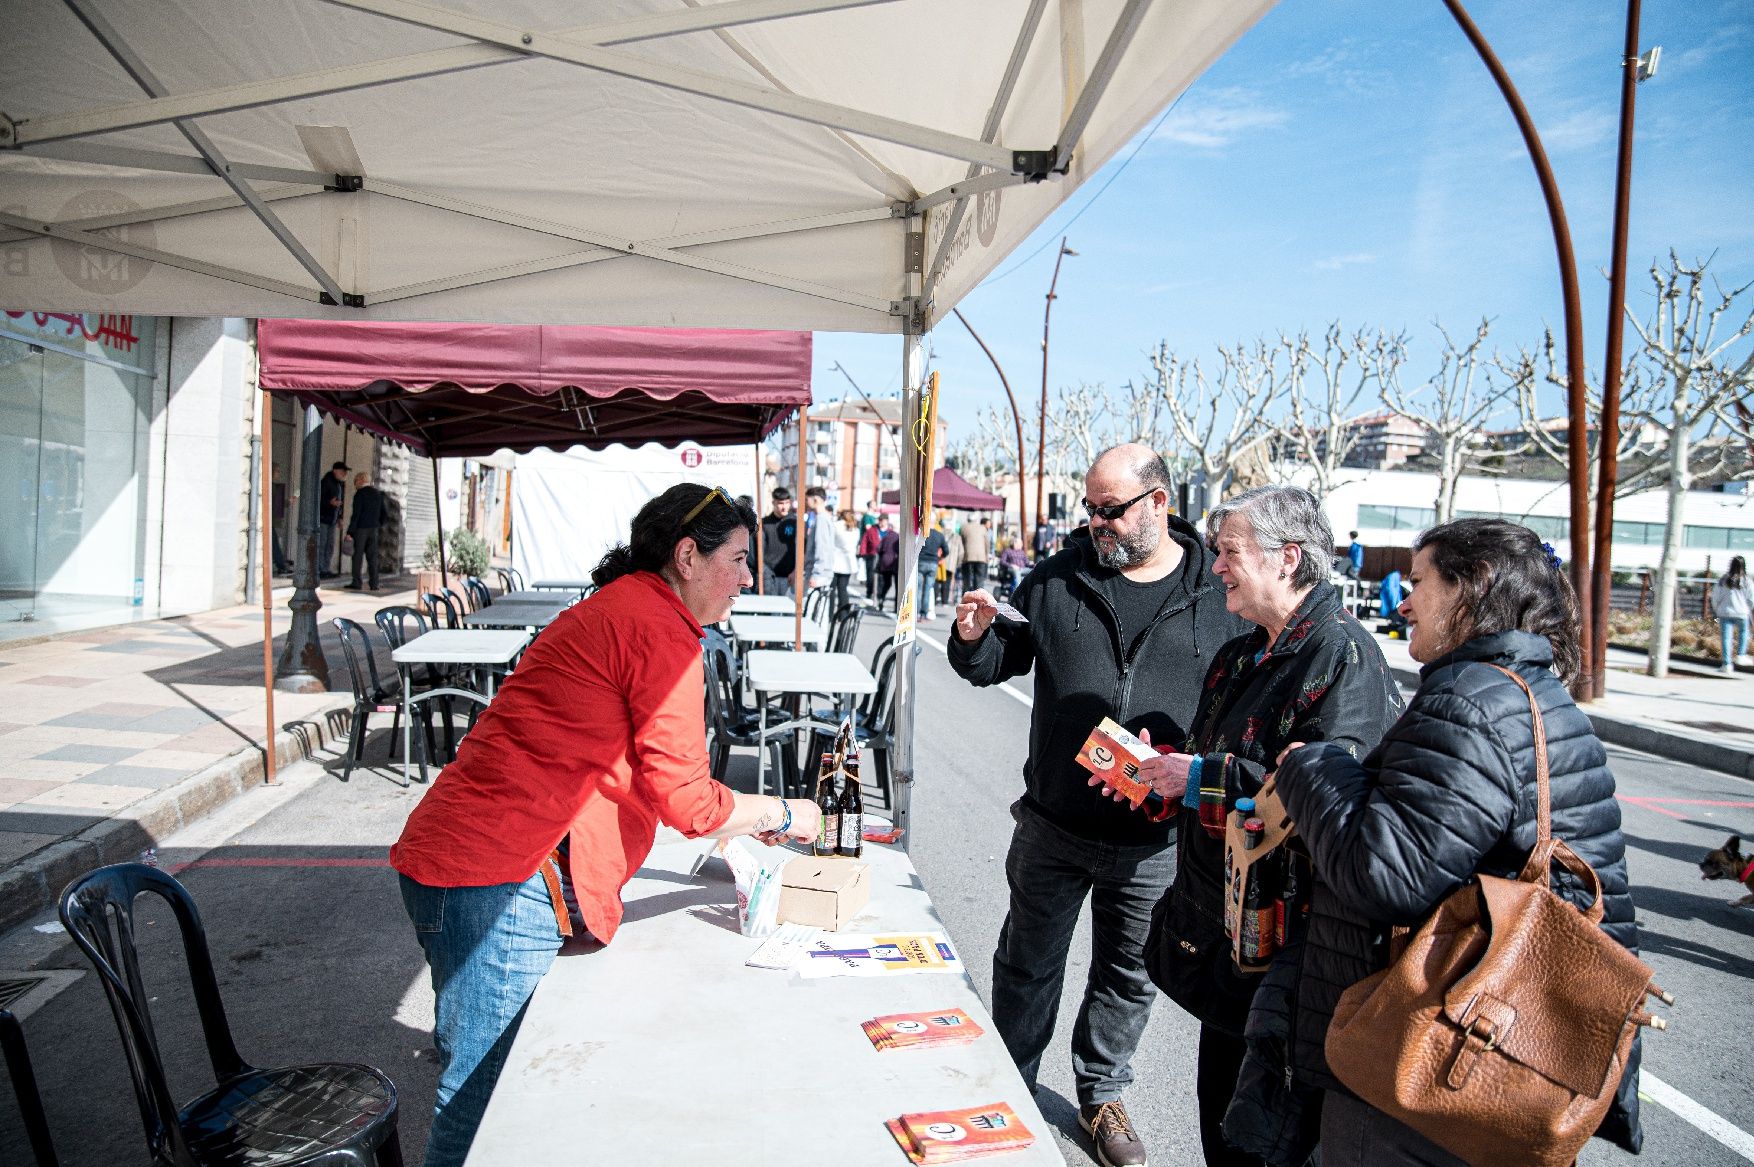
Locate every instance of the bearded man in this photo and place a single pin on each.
(1123, 623)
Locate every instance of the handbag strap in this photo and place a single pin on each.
(1544, 792)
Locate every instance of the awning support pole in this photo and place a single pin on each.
(907, 554)
(438, 518)
(265, 403)
(799, 518)
(302, 667)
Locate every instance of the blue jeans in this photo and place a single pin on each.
(1734, 630)
(1051, 872)
(487, 948)
(928, 581)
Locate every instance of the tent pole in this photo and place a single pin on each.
(438, 517)
(902, 753)
(760, 568)
(302, 668)
(798, 515)
(266, 405)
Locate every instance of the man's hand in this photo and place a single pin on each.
(975, 614)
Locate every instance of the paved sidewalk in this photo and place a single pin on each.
(1696, 714)
(112, 738)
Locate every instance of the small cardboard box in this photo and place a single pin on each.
(823, 893)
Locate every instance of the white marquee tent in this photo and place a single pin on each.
(842, 165)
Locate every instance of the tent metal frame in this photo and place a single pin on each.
(991, 166)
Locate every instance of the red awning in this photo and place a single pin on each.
(466, 390)
(951, 491)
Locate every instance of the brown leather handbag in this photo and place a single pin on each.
(1501, 1031)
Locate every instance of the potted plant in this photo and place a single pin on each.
(466, 554)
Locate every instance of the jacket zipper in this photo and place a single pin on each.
(1124, 683)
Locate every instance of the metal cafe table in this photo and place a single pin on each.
(518, 613)
(530, 596)
(483, 648)
(770, 671)
(754, 605)
(664, 1045)
(749, 629)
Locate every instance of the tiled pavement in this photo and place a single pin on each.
(119, 724)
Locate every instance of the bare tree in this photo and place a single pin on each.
(1078, 426)
(1326, 391)
(1544, 438)
(1451, 408)
(1215, 422)
(1687, 361)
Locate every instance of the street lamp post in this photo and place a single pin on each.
(1016, 418)
(1042, 437)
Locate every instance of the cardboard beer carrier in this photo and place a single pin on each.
(1113, 753)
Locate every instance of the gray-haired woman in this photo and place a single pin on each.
(1307, 672)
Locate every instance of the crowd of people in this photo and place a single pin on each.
(1228, 647)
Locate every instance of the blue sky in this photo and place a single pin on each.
(1352, 160)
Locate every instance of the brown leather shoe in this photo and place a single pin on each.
(1117, 1143)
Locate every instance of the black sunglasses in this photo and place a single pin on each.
(1114, 510)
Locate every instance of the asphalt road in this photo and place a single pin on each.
(316, 960)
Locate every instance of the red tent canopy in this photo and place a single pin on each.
(951, 491)
(466, 390)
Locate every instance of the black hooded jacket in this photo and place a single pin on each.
(1450, 793)
(1084, 673)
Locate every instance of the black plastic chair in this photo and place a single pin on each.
(445, 602)
(509, 579)
(728, 723)
(400, 624)
(816, 603)
(394, 622)
(327, 1114)
(479, 595)
(370, 694)
(24, 1086)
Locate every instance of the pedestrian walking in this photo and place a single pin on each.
(1122, 623)
(842, 559)
(949, 567)
(888, 562)
(977, 546)
(778, 545)
(1450, 794)
(330, 497)
(870, 536)
(555, 795)
(363, 524)
(933, 548)
(1308, 670)
(1732, 602)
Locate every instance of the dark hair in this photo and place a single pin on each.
(686, 511)
(816, 492)
(780, 492)
(1737, 575)
(1509, 580)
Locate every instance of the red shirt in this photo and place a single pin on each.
(599, 733)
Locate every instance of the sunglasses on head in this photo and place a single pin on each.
(1115, 510)
(700, 506)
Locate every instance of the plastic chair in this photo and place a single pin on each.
(479, 595)
(396, 623)
(370, 694)
(435, 601)
(728, 723)
(509, 579)
(816, 603)
(24, 1086)
(327, 1114)
(457, 603)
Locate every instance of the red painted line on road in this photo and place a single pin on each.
(1645, 804)
(182, 867)
(1684, 801)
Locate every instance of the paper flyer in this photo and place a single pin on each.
(1113, 754)
(951, 1136)
(915, 1030)
(845, 954)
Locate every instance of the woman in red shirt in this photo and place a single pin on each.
(553, 801)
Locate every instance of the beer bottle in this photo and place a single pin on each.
(852, 815)
(1260, 898)
(828, 839)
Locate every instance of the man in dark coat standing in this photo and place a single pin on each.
(329, 500)
(1123, 623)
(362, 526)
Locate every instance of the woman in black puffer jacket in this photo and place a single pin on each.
(1450, 794)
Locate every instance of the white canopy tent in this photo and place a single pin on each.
(840, 165)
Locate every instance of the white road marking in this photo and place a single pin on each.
(1713, 1124)
(1029, 702)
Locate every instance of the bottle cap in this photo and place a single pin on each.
(1254, 826)
(1245, 806)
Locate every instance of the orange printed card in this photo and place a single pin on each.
(910, 1030)
(950, 1136)
(1113, 754)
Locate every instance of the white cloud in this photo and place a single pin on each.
(1217, 117)
(1580, 131)
(1352, 259)
(1724, 39)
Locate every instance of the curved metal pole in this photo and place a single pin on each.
(1016, 417)
(1576, 392)
(1608, 441)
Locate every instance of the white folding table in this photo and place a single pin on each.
(665, 1035)
(480, 647)
(773, 671)
(518, 613)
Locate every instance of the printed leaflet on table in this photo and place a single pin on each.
(915, 1030)
(844, 954)
(950, 1136)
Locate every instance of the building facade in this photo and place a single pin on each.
(853, 451)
